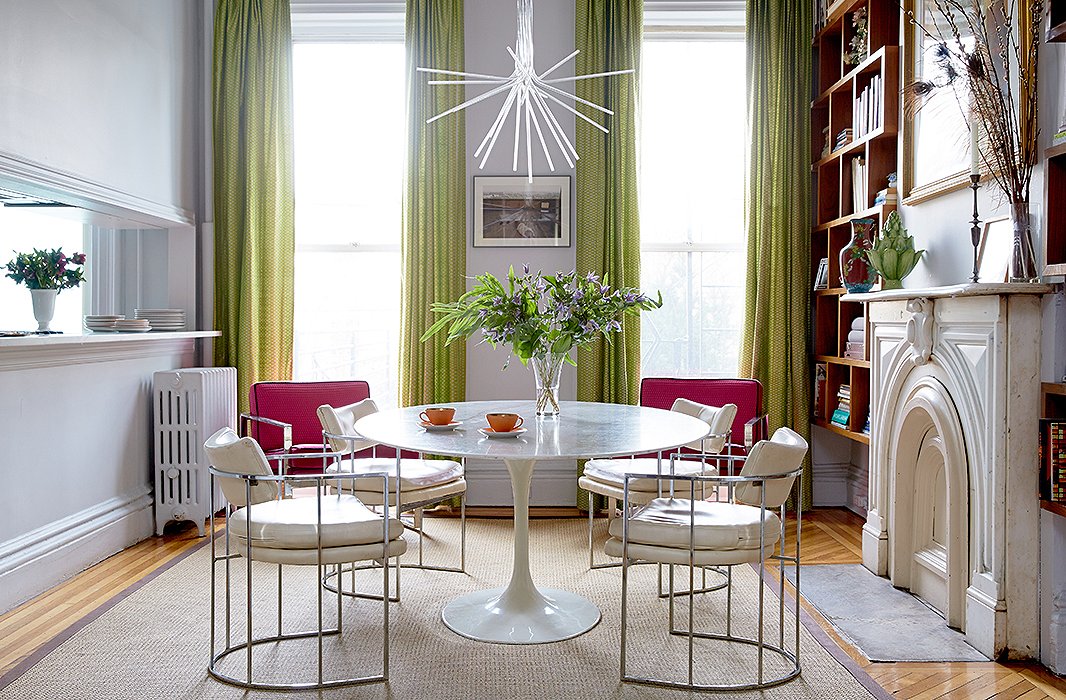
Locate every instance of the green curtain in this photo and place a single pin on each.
(433, 247)
(609, 34)
(777, 302)
(253, 190)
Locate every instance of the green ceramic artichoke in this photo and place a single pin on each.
(893, 254)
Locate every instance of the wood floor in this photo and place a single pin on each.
(830, 536)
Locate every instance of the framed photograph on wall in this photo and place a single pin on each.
(514, 212)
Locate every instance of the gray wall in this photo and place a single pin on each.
(105, 92)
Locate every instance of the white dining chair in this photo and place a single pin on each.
(683, 529)
(605, 477)
(414, 483)
(262, 526)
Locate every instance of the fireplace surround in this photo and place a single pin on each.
(953, 513)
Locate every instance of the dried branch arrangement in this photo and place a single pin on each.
(992, 70)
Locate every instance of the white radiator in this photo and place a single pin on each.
(190, 405)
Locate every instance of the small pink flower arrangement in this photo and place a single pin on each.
(47, 269)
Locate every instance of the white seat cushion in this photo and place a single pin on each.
(409, 497)
(330, 555)
(612, 472)
(292, 523)
(615, 491)
(414, 473)
(664, 522)
(677, 555)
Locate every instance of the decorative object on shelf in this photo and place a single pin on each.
(856, 273)
(1001, 106)
(858, 48)
(893, 254)
(993, 259)
(514, 212)
(975, 225)
(542, 317)
(821, 278)
(526, 90)
(46, 273)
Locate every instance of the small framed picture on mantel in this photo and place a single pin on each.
(514, 212)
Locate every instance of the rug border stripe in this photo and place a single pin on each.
(38, 655)
(828, 643)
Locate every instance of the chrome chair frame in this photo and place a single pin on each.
(759, 641)
(339, 571)
(704, 457)
(231, 647)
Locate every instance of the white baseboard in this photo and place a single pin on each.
(489, 484)
(32, 563)
(840, 485)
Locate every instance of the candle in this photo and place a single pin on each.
(975, 151)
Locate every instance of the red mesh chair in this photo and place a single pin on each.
(749, 426)
(282, 417)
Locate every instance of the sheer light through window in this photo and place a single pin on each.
(349, 169)
(693, 240)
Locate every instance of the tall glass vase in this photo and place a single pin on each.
(1022, 262)
(546, 372)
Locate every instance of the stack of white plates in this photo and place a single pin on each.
(162, 319)
(102, 323)
(132, 325)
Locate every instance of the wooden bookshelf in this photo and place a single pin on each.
(1053, 405)
(837, 92)
(1055, 211)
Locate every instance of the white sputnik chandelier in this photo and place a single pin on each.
(528, 93)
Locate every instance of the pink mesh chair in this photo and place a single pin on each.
(750, 424)
(282, 417)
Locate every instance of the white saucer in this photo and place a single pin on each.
(430, 427)
(490, 433)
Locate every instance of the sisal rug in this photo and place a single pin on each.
(884, 622)
(153, 643)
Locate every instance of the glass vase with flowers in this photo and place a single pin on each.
(542, 318)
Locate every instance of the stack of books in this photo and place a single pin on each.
(866, 112)
(1053, 460)
(855, 347)
(858, 183)
(843, 138)
(886, 196)
(843, 410)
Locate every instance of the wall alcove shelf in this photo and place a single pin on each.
(1053, 405)
(854, 127)
(1055, 216)
(1056, 31)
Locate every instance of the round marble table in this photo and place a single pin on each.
(521, 613)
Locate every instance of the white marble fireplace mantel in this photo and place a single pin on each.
(954, 404)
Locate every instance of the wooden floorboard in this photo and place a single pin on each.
(830, 536)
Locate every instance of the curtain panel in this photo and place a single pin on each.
(774, 346)
(253, 190)
(433, 245)
(609, 33)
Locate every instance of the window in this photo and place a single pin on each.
(21, 230)
(693, 241)
(348, 77)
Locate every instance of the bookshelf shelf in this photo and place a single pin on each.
(862, 98)
(1052, 407)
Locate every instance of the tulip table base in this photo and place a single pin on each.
(521, 613)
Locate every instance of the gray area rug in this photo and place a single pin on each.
(885, 623)
(154, 642)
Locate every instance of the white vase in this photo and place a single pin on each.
(44, 306)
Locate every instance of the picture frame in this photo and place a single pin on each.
(821, 278)
(512, 212)
(993, 254)
(936, 161)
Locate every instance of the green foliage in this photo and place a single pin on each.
(539, 314)
(893, 254)
(46, 269)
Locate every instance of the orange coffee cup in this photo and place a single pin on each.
(504, 422)
(438, 415)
